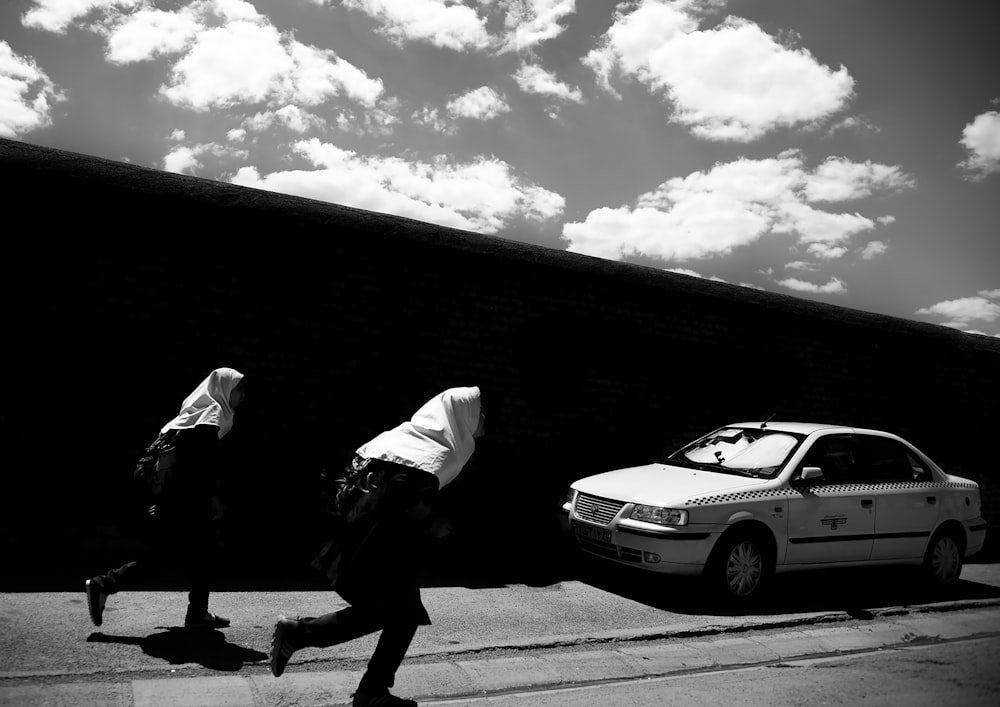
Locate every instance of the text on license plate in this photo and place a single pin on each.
(591, 532)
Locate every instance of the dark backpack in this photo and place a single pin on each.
(356, 491)
(156, 465)
(349, 495)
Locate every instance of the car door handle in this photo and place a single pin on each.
(866, 503)
(931, 500)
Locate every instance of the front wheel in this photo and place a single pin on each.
(943, 560)
(742, 567)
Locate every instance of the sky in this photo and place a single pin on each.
(843, 151)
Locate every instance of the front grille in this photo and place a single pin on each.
(597, 510)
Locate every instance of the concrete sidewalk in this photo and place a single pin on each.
(568, 660)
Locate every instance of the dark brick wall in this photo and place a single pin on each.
(124, 286)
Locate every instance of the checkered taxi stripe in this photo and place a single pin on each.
(831, 489)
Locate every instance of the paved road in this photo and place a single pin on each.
(961, 672)
(483, 639)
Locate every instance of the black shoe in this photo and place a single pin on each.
(281, 645)
(95, 601)
(206, 620)
(383, 699)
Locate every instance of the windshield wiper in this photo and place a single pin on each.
(741, 472)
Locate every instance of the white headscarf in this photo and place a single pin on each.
(209, 403)
(438, 438)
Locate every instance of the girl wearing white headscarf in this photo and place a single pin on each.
(377, 555)
(185, 511)
(210, 403)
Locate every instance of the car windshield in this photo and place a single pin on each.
(739, 450)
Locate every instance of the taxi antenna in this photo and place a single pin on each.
(763, 425)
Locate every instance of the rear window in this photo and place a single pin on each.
(888, 460)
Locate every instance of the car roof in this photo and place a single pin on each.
(795, 427)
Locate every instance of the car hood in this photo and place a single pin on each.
(662, 484)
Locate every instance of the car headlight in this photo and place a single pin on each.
(658, 515)
(570, 497)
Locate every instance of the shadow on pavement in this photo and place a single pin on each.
(177, 645)
(855, 591)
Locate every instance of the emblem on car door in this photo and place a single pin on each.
(834, 521)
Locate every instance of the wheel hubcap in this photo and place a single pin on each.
(944, 561)
(744, 569)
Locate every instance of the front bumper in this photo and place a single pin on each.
(681, 551)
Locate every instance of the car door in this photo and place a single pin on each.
(906, 501)
(833, 518)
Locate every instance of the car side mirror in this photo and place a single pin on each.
(809, 475)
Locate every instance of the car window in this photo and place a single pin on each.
(834, 454)
(888, 460)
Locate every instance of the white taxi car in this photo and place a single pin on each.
(753, 498)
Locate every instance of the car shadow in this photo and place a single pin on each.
(859, 592)
(177, 645)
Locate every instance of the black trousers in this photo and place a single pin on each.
(353, 622)
(182, 539)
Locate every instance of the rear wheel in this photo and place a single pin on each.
(943, 560)
(742, 567)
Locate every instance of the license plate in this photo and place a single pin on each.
(591, 532)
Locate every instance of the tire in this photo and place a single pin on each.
(943, 560)
(742, 567)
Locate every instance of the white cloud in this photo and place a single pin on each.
(827, 252)
(149, 33)
(854, 124)
(532, 78)
(981, 138)
(834, 287)
(713, 278)
(431, 117)
(26, 94)
(873, 249)
(462, 26)
(378, 120)
(442, 23)
(228, 52)
(531, 22)
(730, 82)
(839, 179)
(482, 103)
(184, 159)
(817, 226)
(247, 62)
(711, 213)
(693, 273)
(58, 15)
(242, 62)
(482, 195)
(320, 74)
(801, 265)
(962, 313)
(289, 116)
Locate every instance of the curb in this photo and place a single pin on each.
(604, 658)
